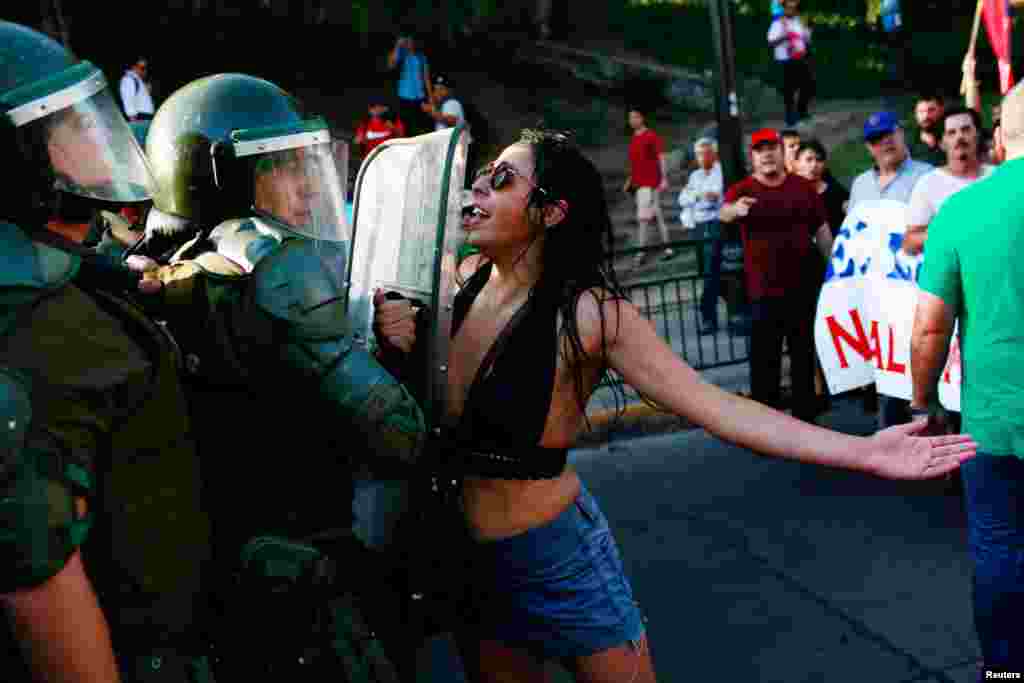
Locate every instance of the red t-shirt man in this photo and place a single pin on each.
(778, 216)
(645, 148)
(647, 176)
(777, 234)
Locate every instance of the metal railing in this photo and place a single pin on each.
(669, 296)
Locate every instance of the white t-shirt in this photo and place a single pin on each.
(135, 95)
(451, 107)
(796, 47)
(932, 191)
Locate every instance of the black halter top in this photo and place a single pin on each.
(507, 405)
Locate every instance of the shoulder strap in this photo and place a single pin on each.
(464, 299)
(487, 364)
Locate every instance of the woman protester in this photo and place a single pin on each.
(547, 579)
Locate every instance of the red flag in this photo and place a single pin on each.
(997, 26)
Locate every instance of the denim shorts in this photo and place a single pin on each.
(557, 590)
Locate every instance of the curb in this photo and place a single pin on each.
(635, 420)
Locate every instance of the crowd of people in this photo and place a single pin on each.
(788, 211)
(146, 369)
(945, 150)
(425, 102)
(784, 217)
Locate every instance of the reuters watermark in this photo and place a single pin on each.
(1002, 676)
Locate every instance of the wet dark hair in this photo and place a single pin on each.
(577, 251)
(576, 257)
(789, 133)
(815, 146)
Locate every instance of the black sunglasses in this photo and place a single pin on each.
(501, 175)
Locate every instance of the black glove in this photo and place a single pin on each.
(97, 272)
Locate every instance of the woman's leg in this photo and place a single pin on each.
(572, 598)
(628, 663)
(488, 661)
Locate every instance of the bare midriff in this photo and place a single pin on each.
(500, 508)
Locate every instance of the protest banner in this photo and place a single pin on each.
(865, 313)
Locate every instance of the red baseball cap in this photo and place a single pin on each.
(763, 136)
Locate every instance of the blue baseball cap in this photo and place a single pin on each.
(879, 124)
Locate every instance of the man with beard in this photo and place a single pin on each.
(779, 214)
(961, 130)
(925, 145)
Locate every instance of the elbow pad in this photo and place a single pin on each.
(299, 296)
(366, 396)
(39, 526)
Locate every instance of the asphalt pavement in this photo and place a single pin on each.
(751, 568)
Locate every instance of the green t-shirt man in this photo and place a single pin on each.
(973, 264)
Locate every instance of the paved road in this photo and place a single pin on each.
(756, 569)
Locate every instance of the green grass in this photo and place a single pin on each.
(849, 160)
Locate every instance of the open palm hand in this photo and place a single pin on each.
(898, 454)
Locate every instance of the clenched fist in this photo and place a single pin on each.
(394, 321)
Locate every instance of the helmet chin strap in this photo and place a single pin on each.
(277, 223)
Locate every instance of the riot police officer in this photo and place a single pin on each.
(95, 452)
(287, 403)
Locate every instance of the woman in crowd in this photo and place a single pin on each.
(812, 163)
(538, 321)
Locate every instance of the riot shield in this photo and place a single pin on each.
(406, 222)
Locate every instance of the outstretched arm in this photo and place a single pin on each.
(651, 367)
